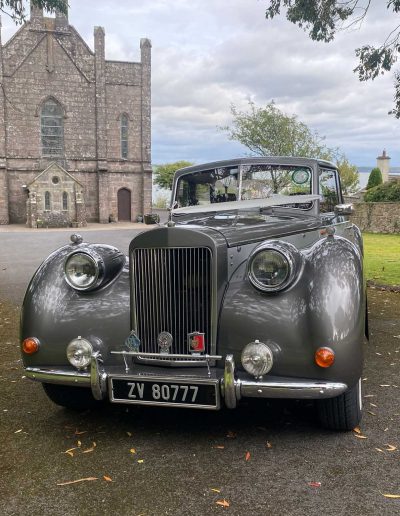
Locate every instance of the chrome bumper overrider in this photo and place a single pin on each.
(233, 385)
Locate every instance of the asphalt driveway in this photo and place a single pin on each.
(262, 459)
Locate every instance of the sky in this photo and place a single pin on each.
(209, 54)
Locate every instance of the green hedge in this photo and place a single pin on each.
(387, 192)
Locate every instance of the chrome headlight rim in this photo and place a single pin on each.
(99, 267)
(288, 252)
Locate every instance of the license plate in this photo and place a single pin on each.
(177, 393)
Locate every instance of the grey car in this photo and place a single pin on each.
(253, 289)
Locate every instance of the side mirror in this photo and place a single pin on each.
(344, 209)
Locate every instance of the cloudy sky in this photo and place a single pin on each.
(208, 54)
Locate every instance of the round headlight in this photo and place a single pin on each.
(81, 271)
(257, 358)
(79, 353)
(272, 266)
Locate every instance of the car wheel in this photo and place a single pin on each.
(343, 412)
(75, 398)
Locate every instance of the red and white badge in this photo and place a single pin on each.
(196, 342)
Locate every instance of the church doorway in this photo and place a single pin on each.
(124, 204)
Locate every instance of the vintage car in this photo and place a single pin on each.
(252, 289)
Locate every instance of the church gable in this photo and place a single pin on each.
(55, 199)
(19, 47)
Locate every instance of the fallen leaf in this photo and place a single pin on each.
(360, 436)
(268, 444)
(129, 434)
(69, 453)
(357, 430)
(390, 447)
(314, 484)
(385, 385)
(215, 490)
(219, 446)
(88, 479)
(107, 479)
(18, 431)
(223, 503)
(396, 496)
(231, 435)
(79, 444)
(77, 432)
(140, 461)
(133, 451)
(247, 457)
(89, 450)
(369, 395)
(379, 450)
(372, 413)
(373, 405)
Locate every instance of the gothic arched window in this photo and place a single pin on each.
(65, 201)
(52, 128)
(47, 201)
(124, 136)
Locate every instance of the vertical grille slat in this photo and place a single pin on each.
(172, 293)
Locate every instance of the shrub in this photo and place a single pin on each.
(387, 192)
(375, 178)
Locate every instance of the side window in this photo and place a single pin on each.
(47, 201)
(328, 190)
(124, 136)
(52, 128)
(65, 201)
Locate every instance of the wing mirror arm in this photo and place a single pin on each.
(344, 209)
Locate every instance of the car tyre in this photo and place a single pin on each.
(74, 398)
(343, 412)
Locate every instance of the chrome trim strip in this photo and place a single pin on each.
(172, 356)
(58, 376)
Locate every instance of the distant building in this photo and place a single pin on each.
(74, 128)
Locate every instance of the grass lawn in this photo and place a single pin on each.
(382, 258)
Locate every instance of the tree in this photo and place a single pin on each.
(267, 131)
(324, 18)
(17, 8)
(349, 177)
(164, 174)
(375, 178)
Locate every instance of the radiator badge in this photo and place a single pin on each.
(132, 342)
(196, 342)
(164, 342)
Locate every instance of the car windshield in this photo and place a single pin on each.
(243, 183)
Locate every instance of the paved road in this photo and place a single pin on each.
(152, 461)
(21, 253)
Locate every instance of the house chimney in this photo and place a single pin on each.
(61, 18)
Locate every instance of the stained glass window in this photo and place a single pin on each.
(52, 129)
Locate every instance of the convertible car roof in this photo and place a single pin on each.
(267, 160)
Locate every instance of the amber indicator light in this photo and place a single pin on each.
(324, 357)
(30, 345)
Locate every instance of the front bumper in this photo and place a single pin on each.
(233, 385)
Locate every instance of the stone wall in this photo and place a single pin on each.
(377, 217)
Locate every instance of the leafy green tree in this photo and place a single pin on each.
(386, 192)
(349, 177)
(268, 131)
(164, 174)
(375, 178)
(324, 18)
(18, 12)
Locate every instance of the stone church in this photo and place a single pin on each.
(74, 128)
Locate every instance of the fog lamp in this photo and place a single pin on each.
(79, 353)
(324, 357)
(30, 345)
(257, 358)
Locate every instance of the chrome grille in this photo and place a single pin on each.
(172, 292)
